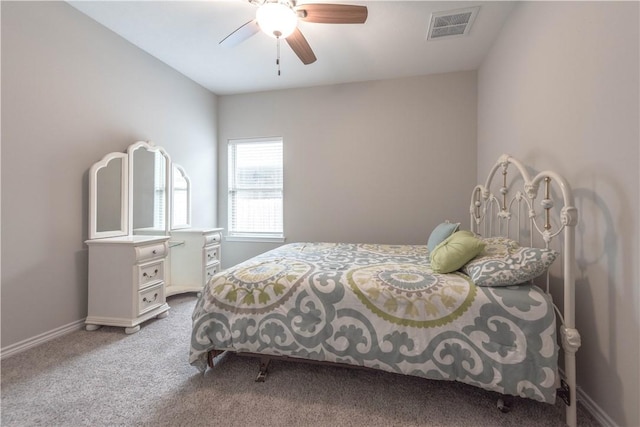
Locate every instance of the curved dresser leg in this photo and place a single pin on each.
(163, 315)
(91, 327)
(132, 330)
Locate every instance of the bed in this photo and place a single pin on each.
(471, 305)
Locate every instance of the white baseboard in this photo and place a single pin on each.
(594, 409)
(23, 345)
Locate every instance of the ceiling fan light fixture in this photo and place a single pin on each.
(277, 19)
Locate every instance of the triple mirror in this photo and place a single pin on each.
(138, 192)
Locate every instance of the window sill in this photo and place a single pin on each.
(256, 239)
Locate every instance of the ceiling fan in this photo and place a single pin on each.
(279, 19)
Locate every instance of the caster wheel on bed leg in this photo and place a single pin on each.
(262, 376)
(91, 327)
(504, 404)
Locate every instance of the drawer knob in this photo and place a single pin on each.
(149, 301)
(149, 276)
(154, 252)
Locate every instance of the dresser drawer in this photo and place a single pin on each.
(150, 298)
(210, 271)
(211, 255)
(212, 239)
(150, 272)
(147, 252)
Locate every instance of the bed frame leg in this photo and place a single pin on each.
(212, 354)
(264, 365)
(564, 392)
(505, 403)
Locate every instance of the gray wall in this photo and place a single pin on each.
(560, 90)
(364, 162)
(72, 91)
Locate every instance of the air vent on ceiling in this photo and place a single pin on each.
(452, 23)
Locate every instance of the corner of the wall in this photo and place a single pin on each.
(596, 411)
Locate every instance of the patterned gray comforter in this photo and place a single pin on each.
(382, 307)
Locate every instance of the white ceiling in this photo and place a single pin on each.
(391, 44)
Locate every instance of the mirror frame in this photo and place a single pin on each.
(126, 192)
(149, 146)
(184, 175)
(124, 197)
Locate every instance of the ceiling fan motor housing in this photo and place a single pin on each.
(277, 19)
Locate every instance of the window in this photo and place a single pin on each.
(180, 215)
(160, 191)
(255, 189)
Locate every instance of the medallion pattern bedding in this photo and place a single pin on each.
(382, 307)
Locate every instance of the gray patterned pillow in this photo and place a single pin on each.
(503, 262)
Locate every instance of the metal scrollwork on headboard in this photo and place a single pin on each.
(491, 214)
(569, 216)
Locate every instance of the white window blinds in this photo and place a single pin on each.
(160, 190)
(256, 188)
(180, 199)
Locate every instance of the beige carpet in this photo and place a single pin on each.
(107, 378)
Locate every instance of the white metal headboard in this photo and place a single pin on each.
(508, 208)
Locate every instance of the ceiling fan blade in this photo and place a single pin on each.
(301, 47)
(332, 13)
(241, 34)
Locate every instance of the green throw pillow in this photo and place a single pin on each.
(455, 252)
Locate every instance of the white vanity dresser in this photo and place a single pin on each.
(142, 247)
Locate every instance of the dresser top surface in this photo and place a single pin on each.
(128, 240)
